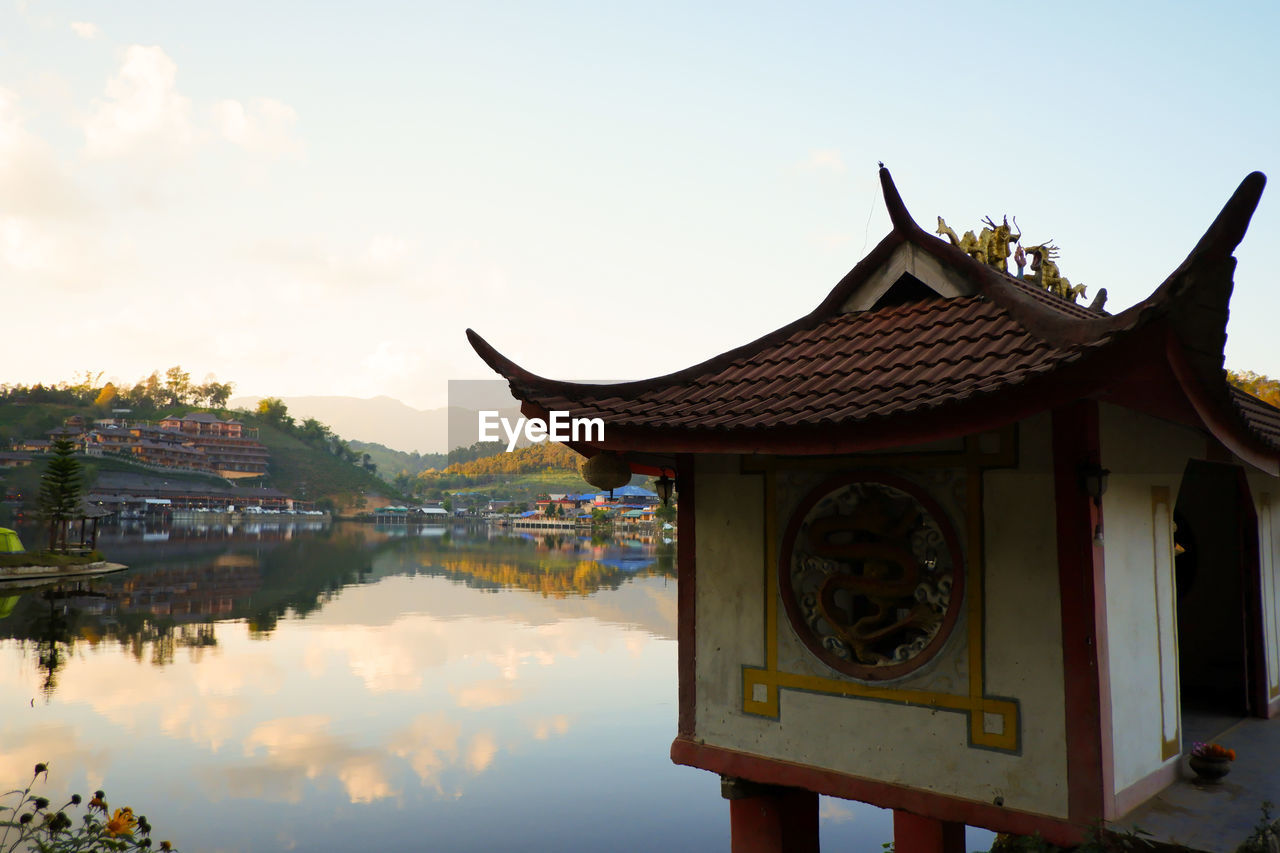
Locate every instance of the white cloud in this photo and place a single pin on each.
(824, 160)
(392, 359)
(383, 259)
(24, 250)
(33, 184)
(545, 728)
(298, 748)
(143, 110)
(266, 126)
(430, 743)
(85, 29)
(486, 694)
(484, 746)
(386, 251)
(835, 811)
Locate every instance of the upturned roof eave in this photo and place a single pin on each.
(516, 374)
(1193, 301)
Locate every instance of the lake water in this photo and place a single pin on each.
(273, 687)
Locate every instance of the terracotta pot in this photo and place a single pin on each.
(1210, 769)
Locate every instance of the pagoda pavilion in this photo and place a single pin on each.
(954, 545)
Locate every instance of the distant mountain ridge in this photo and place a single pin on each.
(385, 420)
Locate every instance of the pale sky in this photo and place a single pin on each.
(318, 198)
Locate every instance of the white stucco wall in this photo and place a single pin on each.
(929, 748)
(1024, 608)
(921, 747)
(1265, 491)
(1146, 457)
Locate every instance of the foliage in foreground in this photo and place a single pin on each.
(31, 826)
(1265, 837)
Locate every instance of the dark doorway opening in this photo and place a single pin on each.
(1219, 600)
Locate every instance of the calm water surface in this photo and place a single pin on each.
(269, 687)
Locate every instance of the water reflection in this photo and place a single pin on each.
(357, 688)
(185, 578)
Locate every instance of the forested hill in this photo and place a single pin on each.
(307, 459)
(546, 458)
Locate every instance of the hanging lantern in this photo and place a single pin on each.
(664, 486)
(606, 470)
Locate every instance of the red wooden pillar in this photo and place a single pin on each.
(770, 818)
(913, 833)
(1081, 583)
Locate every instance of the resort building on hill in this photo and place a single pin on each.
(205, 424)
(232, 448)
(195, 442)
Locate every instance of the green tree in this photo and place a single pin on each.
(215, 394)
(274, 410)
(60, 490)
(177, 386)
(314, 433)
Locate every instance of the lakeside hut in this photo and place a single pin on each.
(954, 545)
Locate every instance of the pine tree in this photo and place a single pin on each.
(60, 488)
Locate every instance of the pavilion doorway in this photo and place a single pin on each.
(1221, 670)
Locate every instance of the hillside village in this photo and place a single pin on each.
(228, 466)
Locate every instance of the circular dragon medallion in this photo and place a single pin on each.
(871, 575)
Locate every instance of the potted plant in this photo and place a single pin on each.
(1211, 761)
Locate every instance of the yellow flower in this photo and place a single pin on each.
(166, 845)
(121, 823)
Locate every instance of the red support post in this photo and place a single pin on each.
(771, 819)
(1082, 586)
(913, 833)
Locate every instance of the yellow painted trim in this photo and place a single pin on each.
(1160, 498)
(974, 523)
(761, 685)
(770, 575)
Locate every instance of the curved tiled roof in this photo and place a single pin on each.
(835, 368)
(846, 368)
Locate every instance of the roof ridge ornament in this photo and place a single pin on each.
(1045, 272)
(990, 247)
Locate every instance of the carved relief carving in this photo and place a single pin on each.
(871, 575)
